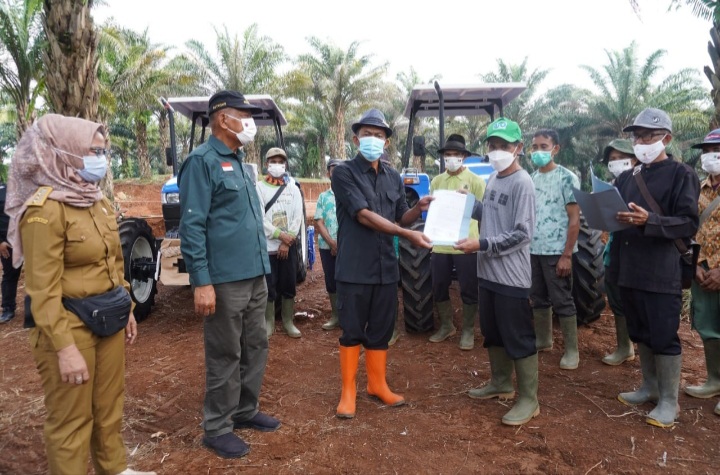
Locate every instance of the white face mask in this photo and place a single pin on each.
(616, 167)
(453, 164)
(710, 162)
(647, 153)
(500, 159)
(276, 169)
(249, 130)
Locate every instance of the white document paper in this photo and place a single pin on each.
(448, 218)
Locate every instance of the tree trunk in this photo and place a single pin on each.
(70, 60)
(22, 123)
(142, 151)
(163, 129)
(337, 136)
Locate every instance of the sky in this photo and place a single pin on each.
(457, 39)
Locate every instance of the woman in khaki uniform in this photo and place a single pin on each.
(67, 235)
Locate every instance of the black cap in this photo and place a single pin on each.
(233, 99)
(333, 162)
(455, 142)
(374, 118)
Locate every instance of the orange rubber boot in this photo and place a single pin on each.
(349, 356)
(376, 362)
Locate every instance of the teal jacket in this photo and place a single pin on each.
(221, 223)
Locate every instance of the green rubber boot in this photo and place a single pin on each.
(648, 391)
(526, 407)
(712, 363)
(543, 328)
(668, 376)
(270, 318)
(571, 358)
(625, 351)
(288, 312)
(333, 322)
(447, 329)
(467, 338)
(500, 385)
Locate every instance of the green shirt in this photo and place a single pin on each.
(325, 210)
(465, 180)
(221, 223)
(553, 192)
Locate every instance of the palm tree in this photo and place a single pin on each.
(248, 64)
(133, 74)
(70, 58)
(21, 45)
(626, 86)
(335, 84)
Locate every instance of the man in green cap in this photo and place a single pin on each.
(507, 220)
(619, 157)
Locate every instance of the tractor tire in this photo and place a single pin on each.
(416, 283)
(588, 275)
(139, 253)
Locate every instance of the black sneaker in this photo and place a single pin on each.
(228, 445)
(261, 422)
(7, 315)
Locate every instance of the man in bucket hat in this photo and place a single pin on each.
(645, 262)
(705, 307)
(444, 258)
(371, 208)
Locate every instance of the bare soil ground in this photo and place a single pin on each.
(581, 429)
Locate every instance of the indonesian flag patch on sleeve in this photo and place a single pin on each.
(227, 166)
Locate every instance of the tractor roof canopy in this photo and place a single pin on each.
(462, 100)
(196, 107)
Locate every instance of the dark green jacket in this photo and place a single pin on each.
(221, 223)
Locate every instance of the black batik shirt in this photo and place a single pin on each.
(366, 256)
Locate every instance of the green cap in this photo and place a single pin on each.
(621, 145)
(506, 129)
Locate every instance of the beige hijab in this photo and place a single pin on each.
(38, 161)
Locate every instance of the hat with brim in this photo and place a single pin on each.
(232, 99)
(333, 162)
(505, 129)
(621, 145)
(276, 152)
(713, 138)
(455, 143)
(651, 118)
(373, 118)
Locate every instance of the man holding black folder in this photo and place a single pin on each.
(645, 262)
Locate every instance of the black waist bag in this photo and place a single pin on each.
(104, 314)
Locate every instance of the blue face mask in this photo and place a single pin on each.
(95, 167)
(540, 158)
(371, 148)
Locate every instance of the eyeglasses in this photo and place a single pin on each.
(645, 136)
(99, 150)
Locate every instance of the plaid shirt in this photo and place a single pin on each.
(709, 233)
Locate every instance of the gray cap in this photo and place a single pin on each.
(333, 162)
(651, 118)
(276, 152)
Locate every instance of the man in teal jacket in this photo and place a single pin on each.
(225, 252)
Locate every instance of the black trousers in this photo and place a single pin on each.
(441, 269)
(507, 321)
(328, 264)
(282, 279)
(367, 314)
(653, 319)
(10, 277)
(550, 290)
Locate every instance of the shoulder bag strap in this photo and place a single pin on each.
(681, 246)
(274, 198)
(708, 211)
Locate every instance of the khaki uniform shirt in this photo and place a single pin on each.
(709, 233)
(69, 252)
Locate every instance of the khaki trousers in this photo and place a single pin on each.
(87, 417)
